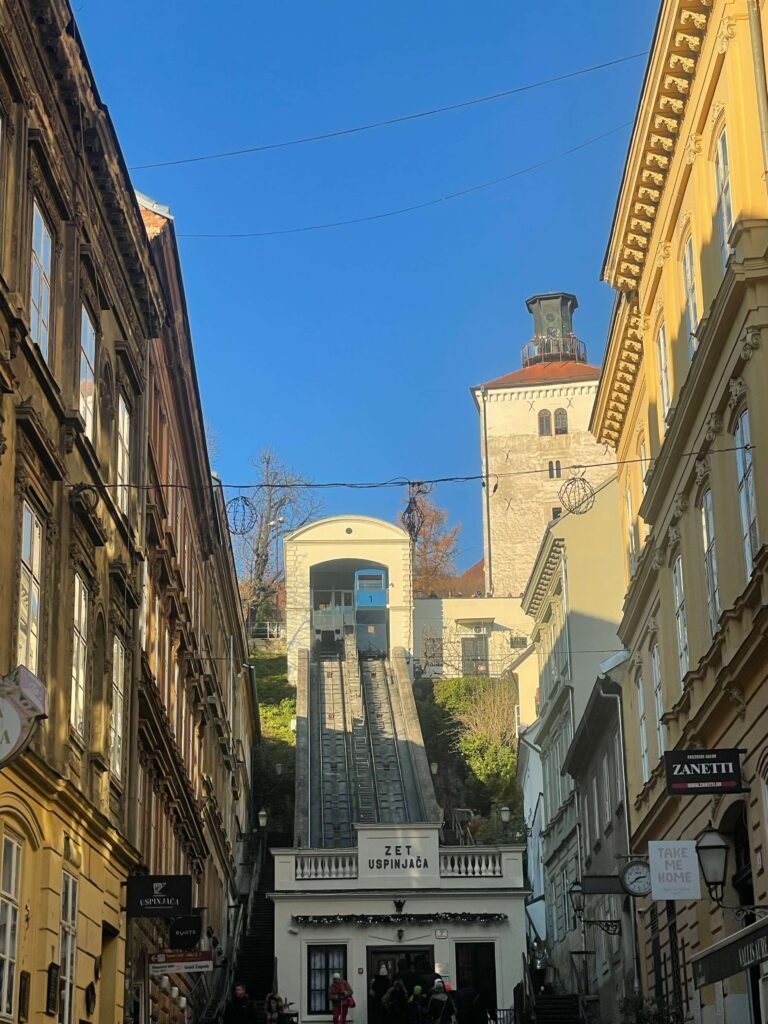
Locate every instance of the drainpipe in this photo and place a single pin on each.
(484, 393)
(758, 60)
(607, 667)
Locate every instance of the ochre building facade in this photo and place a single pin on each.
(682, 400)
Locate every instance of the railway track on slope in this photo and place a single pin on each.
(389, 785)
(333, 781)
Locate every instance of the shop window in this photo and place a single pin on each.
(10, 874)
(322, 963)
(68, 948)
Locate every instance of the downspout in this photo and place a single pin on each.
(613, 663)
(486, 484)
(758, 60)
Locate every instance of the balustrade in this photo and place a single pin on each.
(470, 864)
(326, 865)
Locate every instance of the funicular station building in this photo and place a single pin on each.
(372, 877)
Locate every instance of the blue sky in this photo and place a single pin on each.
(350, 351)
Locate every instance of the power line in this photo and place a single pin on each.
(225, 154)
(403, 481)
(416, 206)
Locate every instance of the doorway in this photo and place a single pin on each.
(476, 968)
(474, 655)
(418, 960)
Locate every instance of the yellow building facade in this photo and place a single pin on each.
(682, 400)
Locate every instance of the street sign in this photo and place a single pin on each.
(674, 870)
(180, 961)
(697, 772)
(159, 895)
(22, 705)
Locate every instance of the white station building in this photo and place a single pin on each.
(373, 876)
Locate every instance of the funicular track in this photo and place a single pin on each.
(331, 814)
(388, 782)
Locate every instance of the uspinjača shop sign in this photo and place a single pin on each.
(702, 772)
(159, 895)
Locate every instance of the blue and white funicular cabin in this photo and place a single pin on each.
(373, 877)
(350, 600)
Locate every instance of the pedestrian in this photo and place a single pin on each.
(539, 972)
(466, 998)
(341, 998)
(417, 1006)
(240, 1009)
(380, 985)
(441, 1008)
(395, 1002)
(274, 1007)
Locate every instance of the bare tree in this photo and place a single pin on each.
(435, 550)
(282, 503)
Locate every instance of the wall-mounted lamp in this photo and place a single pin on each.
(433, 766)
(262, 816)
(610, 926)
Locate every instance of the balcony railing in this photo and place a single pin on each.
(454, 863)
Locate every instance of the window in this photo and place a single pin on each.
(68, 950)
(632, 543)
(565, 899)
(172, 492)
(116, 714)
(556, 511)
(710, 561)
(658, 698)
(561, 421)
(585, 819)
(40, 285)
(79, 656)
(618, 761)
(643, 728)
(545, 423)
(661, 355)
(551, 471)
(642, 452)
(123, 455)
(29, 588)
(9, 922)
(322, 963)
(723, 214)
(747, 509)
(690, 307)
(607, 809)
(681, 624)
(87, 372)
(558, 470)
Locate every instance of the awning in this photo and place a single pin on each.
(731, 955)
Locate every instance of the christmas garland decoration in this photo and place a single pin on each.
(315, 920)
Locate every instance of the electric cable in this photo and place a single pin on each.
(416, 206)
(403, 481)
(388, 122)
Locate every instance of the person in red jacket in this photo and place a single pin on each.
(339, 996)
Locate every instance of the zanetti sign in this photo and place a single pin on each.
(734, 954)
(699, 772)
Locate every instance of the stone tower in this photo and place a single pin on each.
(534, 427)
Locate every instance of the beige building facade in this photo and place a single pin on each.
(682, 400)
(573, 596)
(534, 426)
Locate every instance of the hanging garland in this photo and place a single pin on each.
(315, 920)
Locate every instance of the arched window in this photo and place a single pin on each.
(545, 423)
(551, 471)
(558, 471)
(561, 421)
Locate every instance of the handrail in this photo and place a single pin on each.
(529, 1007)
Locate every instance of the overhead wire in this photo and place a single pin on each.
(399, 211)
(403, 481)
(388, 122)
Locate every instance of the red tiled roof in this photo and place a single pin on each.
(546, 373)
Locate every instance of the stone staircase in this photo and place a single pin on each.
(256, 956)
(557, 1009)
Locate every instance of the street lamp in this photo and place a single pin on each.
(611, 926)
(505, 814)
(262, 816)
(712, 851)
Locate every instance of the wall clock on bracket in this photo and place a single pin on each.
(635, 878)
